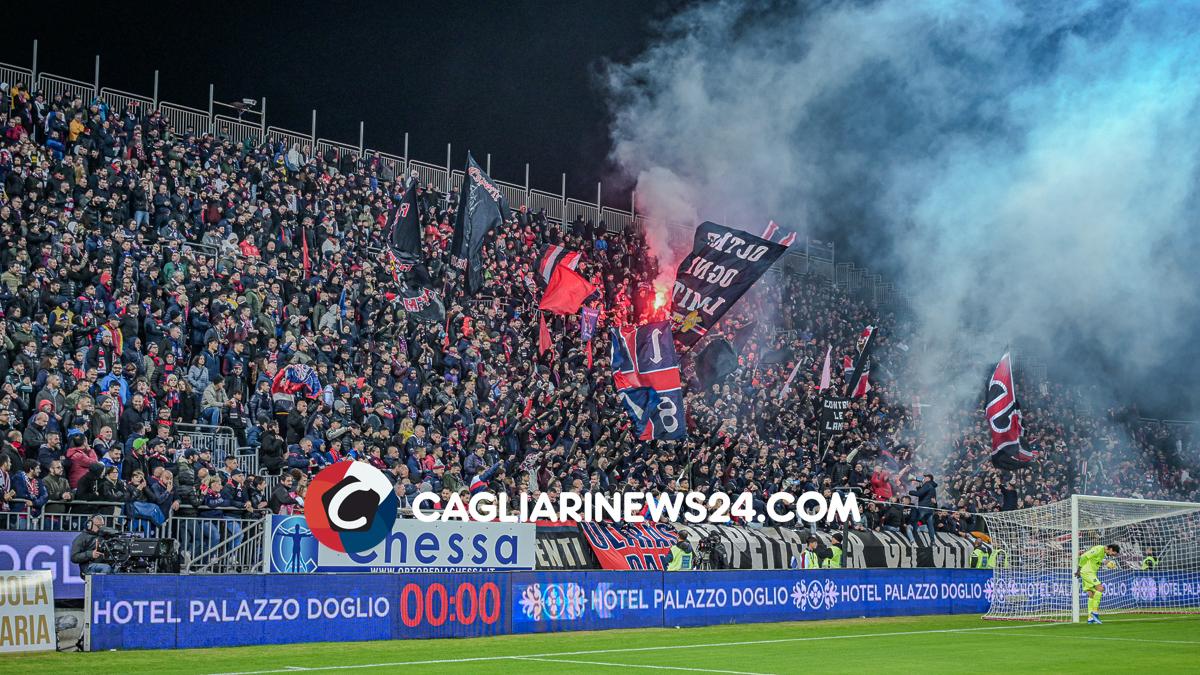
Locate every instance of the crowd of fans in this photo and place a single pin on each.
(151, 276)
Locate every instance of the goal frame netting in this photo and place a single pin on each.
(1036, 552)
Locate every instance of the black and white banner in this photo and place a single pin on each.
(562, 547)
(722, 266)
(835, 415)
(773, 548)
(749, 548)
(889, 549)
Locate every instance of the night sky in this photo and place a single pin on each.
(514, 79)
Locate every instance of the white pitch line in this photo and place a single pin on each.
(634, 665)
(624, 650)
(1117, 639)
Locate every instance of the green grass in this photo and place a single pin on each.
(938, 644)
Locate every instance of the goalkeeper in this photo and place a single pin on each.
(1089, 565)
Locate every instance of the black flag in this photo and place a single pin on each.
(422, 305)
(481, 207)
(715, 362)
(781, 355)
(722, 266)
(859, 382)
(405, 235)
(741, 336)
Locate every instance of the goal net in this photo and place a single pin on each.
(1036, 551)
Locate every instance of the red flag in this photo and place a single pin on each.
(528, 408)
(553, 256)
(770, 230)
(1004, 419)
(566, 292)
(789, 239)
(543, 334)
(825, 374)
(589, 354)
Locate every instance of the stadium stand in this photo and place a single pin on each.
(155, 279)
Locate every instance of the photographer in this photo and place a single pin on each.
(926, 493)
(85, 550)
(681, 554)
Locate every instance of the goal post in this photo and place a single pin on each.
(1036, 552)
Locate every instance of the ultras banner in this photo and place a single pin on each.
(723, 265)
(630, 546)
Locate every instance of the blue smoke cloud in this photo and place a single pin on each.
(1026, 171)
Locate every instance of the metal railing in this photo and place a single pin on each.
(240, 551)
(289, 138)
(14, 75)
(204, 541)
(324, 145)
(247, 460)
(180, 118)
(428, 173)
(552, 204)
(237, 130)
(55, 85)
(61, 522)
(117, 100)
(220, 441)
(816, 258)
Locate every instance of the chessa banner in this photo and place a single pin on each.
(153, 611)
(630, 546)
(446, 546)
(723, 265)
(29, 550)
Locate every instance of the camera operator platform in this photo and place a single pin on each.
(85, 550)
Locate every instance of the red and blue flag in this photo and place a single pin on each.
(646, 375)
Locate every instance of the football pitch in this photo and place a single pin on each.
(937, 644)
